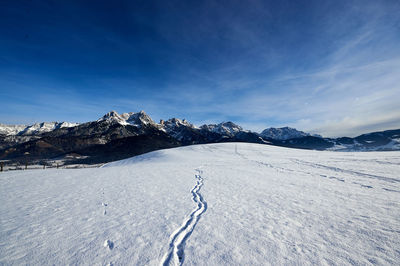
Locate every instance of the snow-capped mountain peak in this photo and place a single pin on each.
(283, 133)
(111, 114)
(224, 128)
(229, 128)
(135, 119)
(140, 118)
(179, 129)
(45, 127)
(113, 126)
(172, 123)
(112, 117)
(33, 129)
(11, 129)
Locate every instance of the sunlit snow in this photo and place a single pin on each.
(215, 204)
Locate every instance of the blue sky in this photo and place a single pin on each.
(328, 67)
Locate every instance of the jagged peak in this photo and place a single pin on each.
(225, 128)
(228, 128)
(230, 124)
(140, 118)
(178, 122)
(112, 117)
(131, 118)
(112, 113)
(35, 128)
(126, 115)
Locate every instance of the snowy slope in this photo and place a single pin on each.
(215, 204)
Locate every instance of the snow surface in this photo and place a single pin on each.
(215, 204)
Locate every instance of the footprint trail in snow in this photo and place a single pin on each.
(175, 253)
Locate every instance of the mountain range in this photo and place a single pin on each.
(116, 136)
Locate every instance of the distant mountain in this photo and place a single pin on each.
(283, 133)
(226, 128)
(14, 134)
(117, 136)
(134, 119)
(35, 129)
(183, 131)
(104, 136)
(387, 140)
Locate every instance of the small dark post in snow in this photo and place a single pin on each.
(57, 166)
(26, 159)
(1, 166)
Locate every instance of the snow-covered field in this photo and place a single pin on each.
(216, 204)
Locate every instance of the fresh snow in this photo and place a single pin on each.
(215, 204)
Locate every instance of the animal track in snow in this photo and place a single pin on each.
(337, 178)
(105, 207)
(391, 190)
(279, 169)
(109, 244)
(175, 253)
(351, 172)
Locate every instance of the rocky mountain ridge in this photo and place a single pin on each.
(284, 133)
(117, 136)
(34, 129)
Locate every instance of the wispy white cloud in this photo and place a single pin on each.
(355, 90)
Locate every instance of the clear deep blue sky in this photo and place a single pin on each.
(330, 67)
